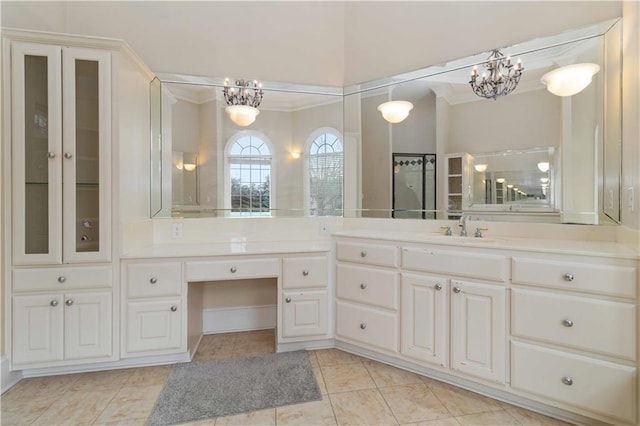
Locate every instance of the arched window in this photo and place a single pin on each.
(324, 167)
(249, 184)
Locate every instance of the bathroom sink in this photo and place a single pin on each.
(458, 239)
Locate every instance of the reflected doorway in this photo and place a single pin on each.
(414, 186)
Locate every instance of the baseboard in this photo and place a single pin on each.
(241, 318)
(7, 378)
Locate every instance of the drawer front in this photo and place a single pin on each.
(368, 286)
(587, 277)
(595, 386)
(370, 254)
(154, 279)
(366, 325)
(487, 266)
(232, 269)
(304, 272)
(67, 278)
(579, 322)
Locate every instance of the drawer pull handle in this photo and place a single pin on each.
(51, 154)
(363, 326)
(363, 286)
(305, 273)
(68, 155)
(438, 286)
(567, 380)
(174, 308)
(62, 279)
(153, 280)
(363, 253)
(567, 323)
(69, 302)
(568, 277)
(288, 300)
(233, 269)
(54, 303)
(457, 289)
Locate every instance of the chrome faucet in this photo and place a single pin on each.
(462, 223)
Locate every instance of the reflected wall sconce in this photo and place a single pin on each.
(543, 166)
(243, 101)
(295, 155)
(544, 180)
(500, 78)
(571, 79)
(189, 167)
(480, 167)
(500, 180)
(395, 111)
(510, 186)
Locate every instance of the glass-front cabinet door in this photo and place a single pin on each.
(60, 154)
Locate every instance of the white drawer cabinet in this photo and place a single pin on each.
(366, 325)
(493, 267)
(593, 385)
(304, 272)
(154, 326)
(584, 323)
(304, 313)
(370, 254)
(61, 278)
(232, 269)
(154, 279)
(369, 286)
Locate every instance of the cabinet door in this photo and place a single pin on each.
(88, 325)
(36, 133)
(86, 154)
(304, 314)
(424, 318)
(153, 326)
(478, 330)
(37, 328)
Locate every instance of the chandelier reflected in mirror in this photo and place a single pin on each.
(500, 78)
(243, 101)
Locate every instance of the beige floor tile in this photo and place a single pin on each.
(217, 341)
(385, 375)
(127, 422)
(262, 417)
(492, 418)
(43, 385)
(268, 335)
(212, 354)
(76, 408)
(101, 380)
(313, 359)
(329, 357)
(414, 403)
(254, 347)
(461, 402)
(149, 376)
(347, 377)
(317, 372)
(131, 402)
(18, 409)
(526, 417)
(449, 421)
(365, 407)
(309, 413)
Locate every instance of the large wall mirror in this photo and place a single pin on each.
(529, 155)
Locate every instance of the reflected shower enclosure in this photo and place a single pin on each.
(414, 186)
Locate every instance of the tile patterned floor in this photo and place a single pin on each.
(355, 391)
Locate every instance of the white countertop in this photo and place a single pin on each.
(228, 249)
(571, 247)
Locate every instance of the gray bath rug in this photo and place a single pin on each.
(208, 389)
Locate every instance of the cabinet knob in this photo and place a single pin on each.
(457, 289)
(363, 286)
(62, 279)
(568, 277)
(567, 380)
(54, 302)
(69, 302)
(51, 154)
(438, 286)
(363, 253)
(174, 308)
(363, 326)
(305, 273)
(567, 323)
(288, 300)
(153, 280)
(68, 155)
(233, 269)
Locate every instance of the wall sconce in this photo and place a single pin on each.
(295, 155)
(179, 166)
(571, 79)
(395, 111)
(500, 180)
(544, 180)
(543, 166)
(480, 167)
(510, 186)
(189, 167)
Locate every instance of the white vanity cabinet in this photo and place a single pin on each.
(153, 317)
(305, 297)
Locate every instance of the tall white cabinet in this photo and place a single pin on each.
(61, 147)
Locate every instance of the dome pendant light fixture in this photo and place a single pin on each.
(243, 101)
(395, 111)
(571, 79)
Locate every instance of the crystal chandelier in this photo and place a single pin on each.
(500, 78)
(243, 101)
